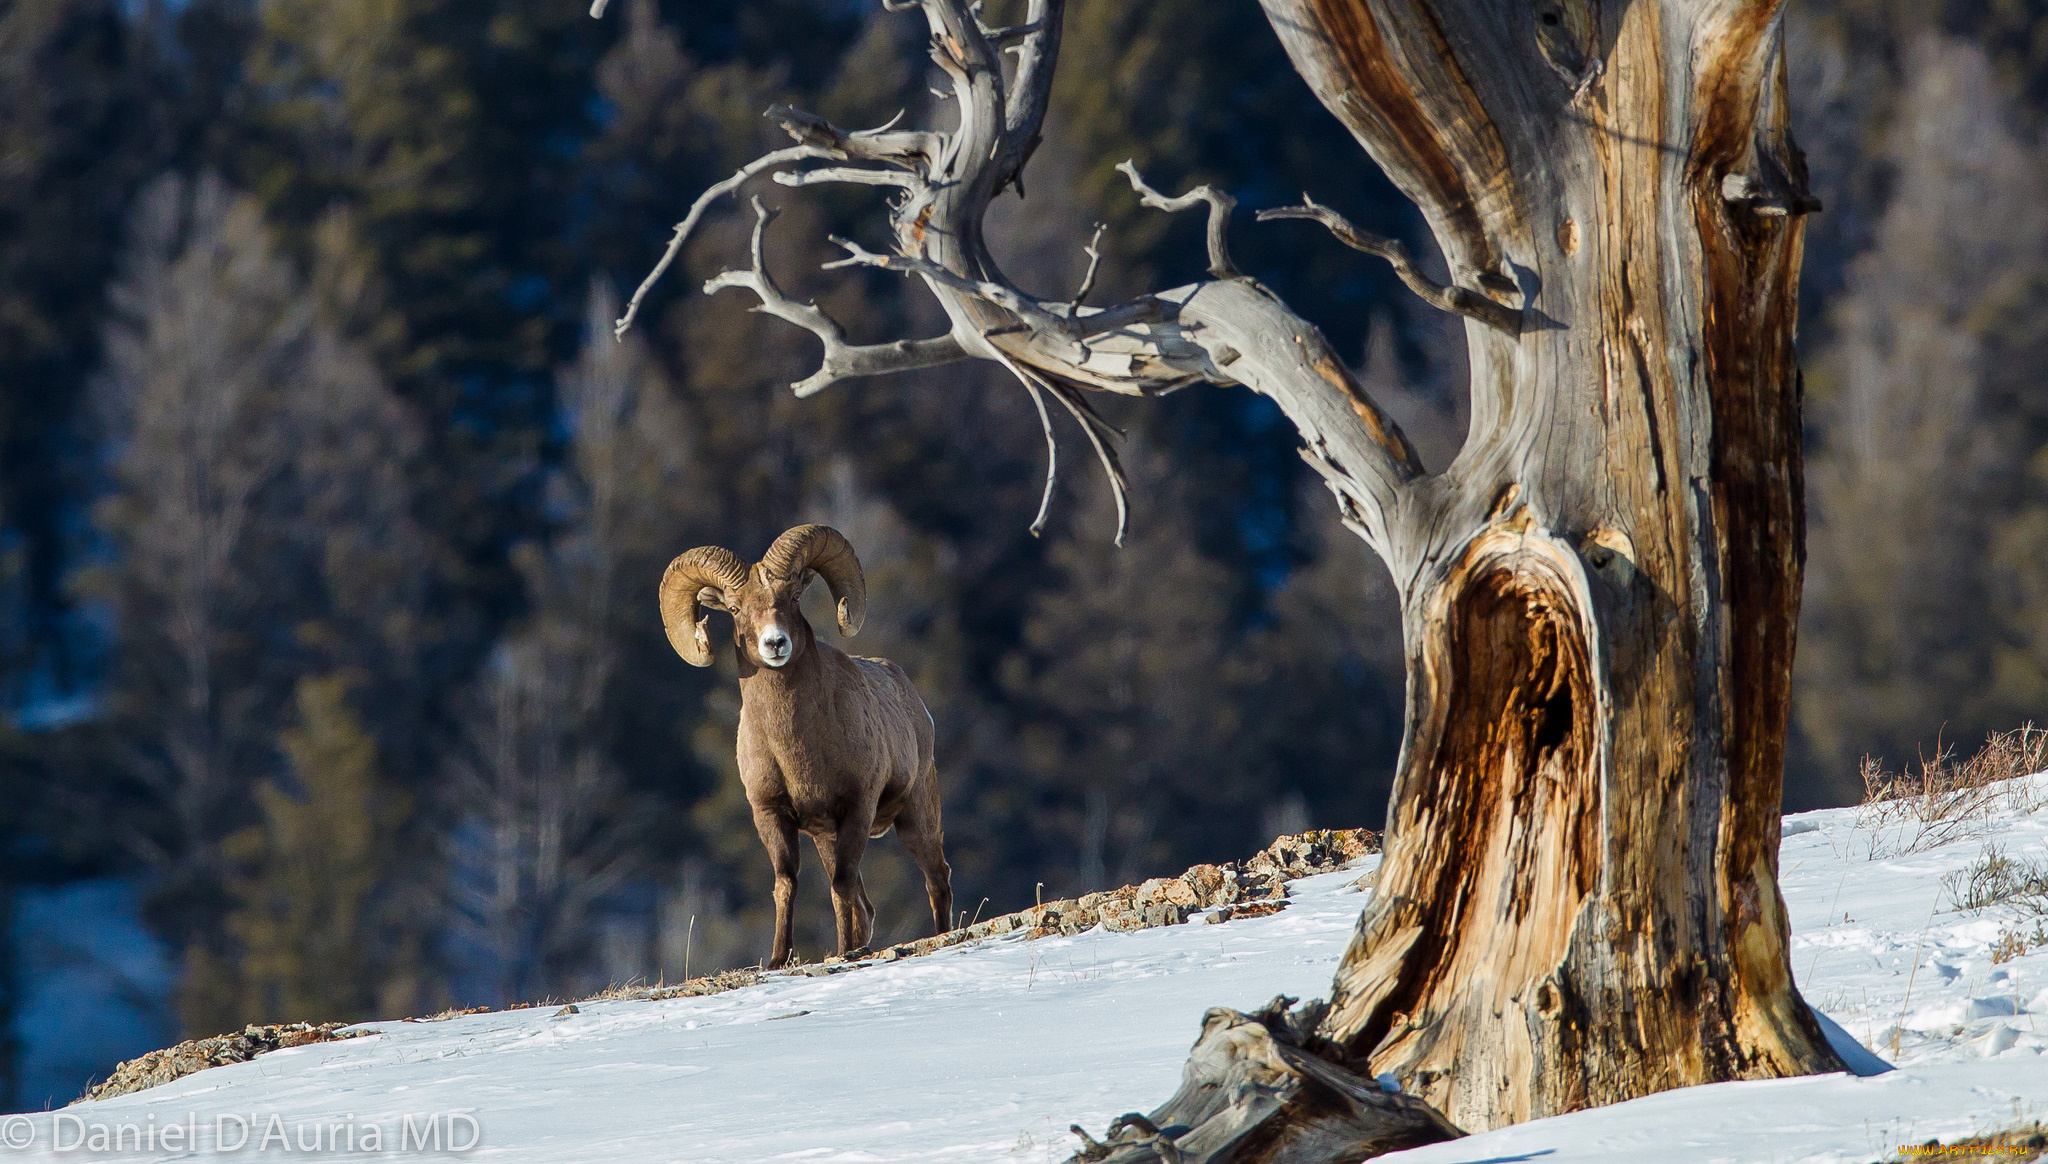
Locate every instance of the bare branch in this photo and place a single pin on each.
(849, 175)
(817, 139)
(1093, 425)
(1013, 35)
(1344, 489)
(842, 360)
(1220, 206)
(1008, 298)
(1094, 252)
(1052, 445)
(1454, 299)
(911, 148)
(1227, 331)
(689, 223)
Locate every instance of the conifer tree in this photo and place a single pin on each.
(311, 927)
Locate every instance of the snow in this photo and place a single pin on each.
(988, 1052)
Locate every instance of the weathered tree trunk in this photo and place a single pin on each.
(1579, 903)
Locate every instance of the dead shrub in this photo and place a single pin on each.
(1947, 800)
(1997, 879)
(2017, 943)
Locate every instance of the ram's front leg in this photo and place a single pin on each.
(778, 836)
(841, 853)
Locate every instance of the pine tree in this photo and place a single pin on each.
(206, 330)
(1134, 723)
(260, 512)
(311, 929)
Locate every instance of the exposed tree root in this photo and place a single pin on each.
(1258, 1089)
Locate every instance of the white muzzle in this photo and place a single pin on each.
(775, 646)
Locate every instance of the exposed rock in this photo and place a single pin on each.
(711, 984)
(1248, 909)
(219, 1050)
(1165, 901)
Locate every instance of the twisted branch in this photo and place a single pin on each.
(817, 139)
(1454, 299)
(842, 360)
(1229, 330)
(1023, 306)
(1220, 206)
(1013, 35)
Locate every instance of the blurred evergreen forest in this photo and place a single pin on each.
(331, 514)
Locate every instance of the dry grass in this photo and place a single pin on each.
(1949, 800)
(1997, 879)
(2018, 943)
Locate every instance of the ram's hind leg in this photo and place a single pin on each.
(778, 835)
(841, 853)
(924, 837)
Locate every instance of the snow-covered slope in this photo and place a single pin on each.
(988, 1052)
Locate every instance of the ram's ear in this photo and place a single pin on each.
(713, 597)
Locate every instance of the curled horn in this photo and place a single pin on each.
(824, 550)
(704, 568)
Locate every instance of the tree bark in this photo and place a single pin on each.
(1579, 903)
(1252, 1093)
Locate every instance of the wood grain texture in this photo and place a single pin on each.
(1579, 903)
(1252, 1093)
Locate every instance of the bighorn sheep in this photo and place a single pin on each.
(836, 746)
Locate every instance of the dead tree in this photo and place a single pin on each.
(1580, 902)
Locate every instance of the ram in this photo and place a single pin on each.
(830, 744)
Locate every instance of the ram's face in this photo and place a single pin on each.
(769, 629)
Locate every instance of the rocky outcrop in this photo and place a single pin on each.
(1250, 888)
(199, 1054)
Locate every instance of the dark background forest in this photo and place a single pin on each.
(331, 683)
